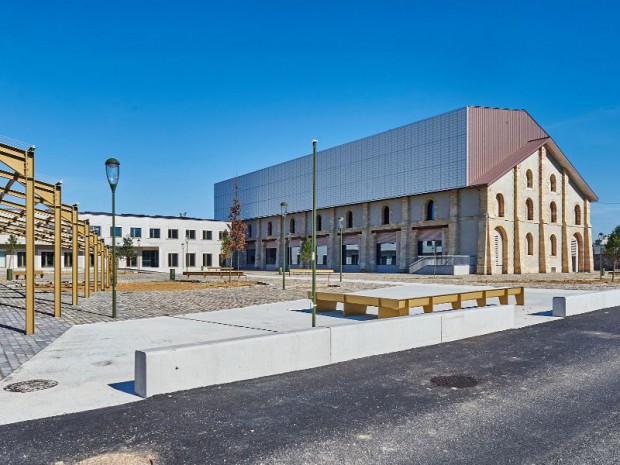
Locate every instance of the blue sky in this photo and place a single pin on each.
(186, 94)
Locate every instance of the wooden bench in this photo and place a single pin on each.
(17, 274)
(389, 307)
(206, 273)
(305, 271)
(220, 268)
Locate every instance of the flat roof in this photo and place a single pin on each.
(165, 217)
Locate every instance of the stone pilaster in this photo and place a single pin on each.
(451, 248)
(333, 255)
(364, 242)
(587, 237)
(516, 173)
(404, 259)
(542, 208)
(483, 232)
(259, 263)
(565, 242)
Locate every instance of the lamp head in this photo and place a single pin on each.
(341, 222)
(112, 169)
(283, 208)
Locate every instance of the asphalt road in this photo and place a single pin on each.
(548, 394)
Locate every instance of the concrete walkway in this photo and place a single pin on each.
(94, 364)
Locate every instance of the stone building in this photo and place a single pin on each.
(483, 187)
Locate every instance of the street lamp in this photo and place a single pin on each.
(313, 260)
(289, 250)
(139, 254)
(112, 171)
(283, 211)
(601, 236)
(340, 227)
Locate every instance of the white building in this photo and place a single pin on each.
(163, 242)
(160, 242)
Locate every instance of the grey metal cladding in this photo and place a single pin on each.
(425, 156)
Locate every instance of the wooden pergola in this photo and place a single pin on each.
(34, 210)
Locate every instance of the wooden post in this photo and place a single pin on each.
(74, 256)
(29, 175)
(86, 230)
(96, 264)
(57, 250)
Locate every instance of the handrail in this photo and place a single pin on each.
(439, 260)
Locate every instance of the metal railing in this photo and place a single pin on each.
(440, 260)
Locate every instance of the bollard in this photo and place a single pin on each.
(9, 274)
(172, 272)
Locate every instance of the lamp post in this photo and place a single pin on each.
(601, 236)
(340, 227)
(112, 170)
(138, 258)
(288, 249)
(183, 257)
(283, 211)
(313, 260)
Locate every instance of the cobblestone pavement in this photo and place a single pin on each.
(16, 347)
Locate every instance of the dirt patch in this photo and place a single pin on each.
(120, 458)
(177, 286)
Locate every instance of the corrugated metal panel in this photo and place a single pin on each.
(494, 135)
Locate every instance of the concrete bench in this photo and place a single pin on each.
(17, 274)
(390, 307)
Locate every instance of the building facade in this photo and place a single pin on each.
(160, 243)
(484, 185)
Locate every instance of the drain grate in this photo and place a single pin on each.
(455, 381)
(31, 385)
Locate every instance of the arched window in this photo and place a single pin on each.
(500, 204)
(577, 214)
(349, 219)
(269, 229)
(319, 223)
(552, 183)
(529, 239)
(553, 209)
(249, 230)
(430, 210)
(529, 178)
(385, 215)
(554, 245)
(291, 225)
(529, 206)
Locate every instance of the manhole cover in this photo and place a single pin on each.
(455, 381)
(31, 385)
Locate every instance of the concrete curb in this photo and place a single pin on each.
(584, 303)
(188, 366)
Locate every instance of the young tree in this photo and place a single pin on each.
(227, 251)
(237, 228)
(11, 246)
(612, 248)
(305, 251)
(126, 250)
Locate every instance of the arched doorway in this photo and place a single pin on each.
(500, 249)
(577, 252)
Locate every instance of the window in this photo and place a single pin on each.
(190, 260)
(150, 258)
(554, 246)
(96, 229)
(173, 234)
(132, 261)
(119, 231)
(250, 257)
(190, 234)
(552, 183)
(269, 228)
(349, 219)
(291, 225)
(207, 235)
(68, 262)
(207, 259)
(530, 244)
(553, 210)
(47, 259)
(500, 205)
(430, 247)
(270, 256)
(319, 223)
(21, 259)
(385, 215)
(223, 234)
(577, 214)
(386, 253)
(529, 179)
(173, 260)
(529, 207)
(321, 255)
(154, 233)
(224, 261)
(249, 230)
(351, 254)
(135, 232)
(430, 210)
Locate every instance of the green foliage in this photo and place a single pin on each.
(612, 248)
(305, 251)
(11, 246)
(126, 250)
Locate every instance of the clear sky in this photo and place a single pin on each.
(186, 94)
